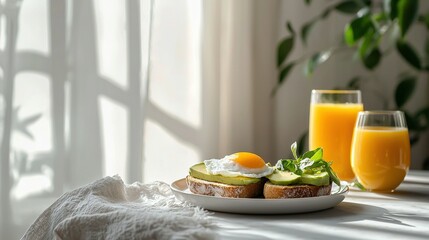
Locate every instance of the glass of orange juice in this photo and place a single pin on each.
(380, 149)
(333, 116)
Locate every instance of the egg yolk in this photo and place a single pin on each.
(249, 160)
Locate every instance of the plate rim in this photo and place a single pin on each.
(202, 201)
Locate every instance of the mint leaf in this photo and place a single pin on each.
(317, 167)
(310, 162)
(332, 174)
(287, 165)
(358, 185)
(313, 154)
(305, 163)
(293, 149)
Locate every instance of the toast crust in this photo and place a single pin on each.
(295, 191)
(269, 190)
(203, 187)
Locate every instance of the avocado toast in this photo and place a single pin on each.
(239, 175)
(201, 182)
(304, 176)
(245, 175)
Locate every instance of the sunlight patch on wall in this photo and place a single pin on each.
(145, 18)
(114, 128)
(2, 115)
(32, 119)
(67, 113)
(31, 159)
(33, 184)
(166, 158)
(111, 30)
(2, 33)
(176, 89)
(33, 29)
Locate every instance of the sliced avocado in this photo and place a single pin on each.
(283, 178)
(199, 171)
(318, 179)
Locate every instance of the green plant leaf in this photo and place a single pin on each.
(284, 49)
(356, 29)
(409, 54)
(424, 19)
(368, 43)
(290, 28)
(427, 48)
(305, 163)
(391, 8)
(325, 13)
(367, 3)
(348, 7)
(287, 165)
(372, 59)
(414, 137)
(315, 60)
(404, 90)
(380, 17)
(293, 149)
(354, 83)
(308, 2)
(305, 30)
(302, 142)
(358, 185)
(284, 72)
(365, 46)
(282, 77)
(407, 13)
(315, 154)
(332, 174)
(411, 122)
(422, 118)
(309, 162)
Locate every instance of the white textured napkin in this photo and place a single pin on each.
(110, 209)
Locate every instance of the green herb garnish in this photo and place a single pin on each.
(358, 185)
(310, 162)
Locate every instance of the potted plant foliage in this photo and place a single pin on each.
(375, 29)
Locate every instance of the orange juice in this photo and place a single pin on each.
(331, 127)
(381, 156)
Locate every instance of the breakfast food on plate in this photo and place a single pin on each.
(304, 176)
(246, 175)
(239, 175)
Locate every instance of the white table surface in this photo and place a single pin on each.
(403, 214)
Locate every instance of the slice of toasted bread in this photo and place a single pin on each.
(295, 191)
(204, 187)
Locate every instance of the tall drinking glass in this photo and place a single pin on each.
(333, 116)
(381, 149)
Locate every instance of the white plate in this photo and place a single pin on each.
(259, 205)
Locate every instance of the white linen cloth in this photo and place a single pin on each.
(110, 209)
